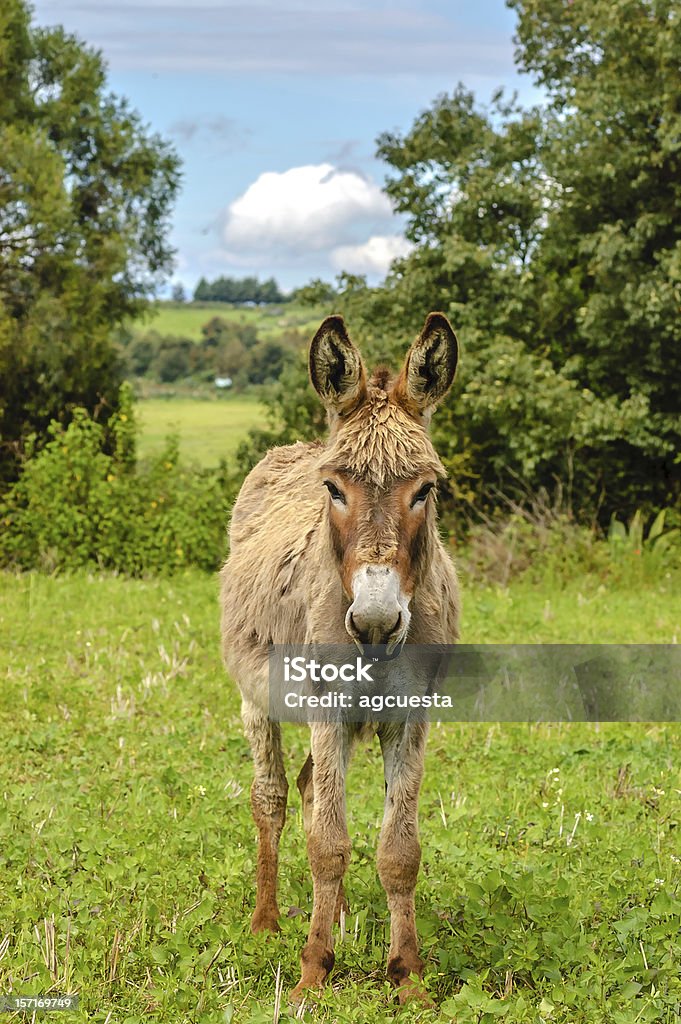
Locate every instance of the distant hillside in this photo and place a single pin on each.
(185, 319)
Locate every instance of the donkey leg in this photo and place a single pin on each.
(268, 802)
(306, 790)
(328, 847)
(399, 850)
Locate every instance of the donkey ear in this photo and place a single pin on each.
(336, 368)
(429, 368)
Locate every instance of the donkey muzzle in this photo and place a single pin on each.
(379, 613)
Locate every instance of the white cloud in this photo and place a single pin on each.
(304, 210)
(309, 221)
(373, 257)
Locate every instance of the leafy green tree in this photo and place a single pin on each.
(231, 357)
(552, 238)
(268, 292)
(266, 362)
(201, 292)
(613, 141)
(231, 289)
(85, 196)
(472, 186)
(140, 353)
(173, 360)
(217, 331)
(314, 293)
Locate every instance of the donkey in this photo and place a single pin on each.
(333, 542)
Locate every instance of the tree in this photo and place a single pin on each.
(613, 141)
(178, 292)
(473, 187)
(268, 292)
(267, 361)
(140, 353)
(217, 331)
(552, 237)
(173, 360)
(85, 195)
(232, 289)
(202, 290)
(315, 293)
(232, 357)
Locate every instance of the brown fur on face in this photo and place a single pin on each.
(379, 458)
(380, 526)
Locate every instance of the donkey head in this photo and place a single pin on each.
(380, 470)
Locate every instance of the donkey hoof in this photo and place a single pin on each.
(265, 920)
(405, 974)
(317, 964)
(414, 992)
(305, 990)
(299, 993)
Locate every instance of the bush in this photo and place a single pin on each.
(540, 541)
(536, 544)
(172, 363)
(75, 505)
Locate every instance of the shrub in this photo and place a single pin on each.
(536, 541)
(660, 544)
(75, 505)
(539, 541)
(172, 362)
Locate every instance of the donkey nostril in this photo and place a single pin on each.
(362, 633)
(367, 634)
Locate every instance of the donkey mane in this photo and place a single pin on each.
(379, 441)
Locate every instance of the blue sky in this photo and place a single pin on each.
(274, 109)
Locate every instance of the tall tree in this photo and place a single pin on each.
(472, 187)
(85, 195)
(613, 142)
(558, 229)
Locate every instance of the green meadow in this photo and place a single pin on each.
(185, 319)
(549, 889)
(209, 429)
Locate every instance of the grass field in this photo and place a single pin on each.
(549, 889)
(209, 430)
(187, 319)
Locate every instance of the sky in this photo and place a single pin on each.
(275, 107)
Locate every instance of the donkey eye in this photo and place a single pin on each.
(335, 493)
(422, 494)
